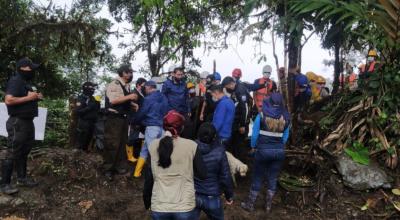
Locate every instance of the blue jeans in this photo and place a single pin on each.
(211, 205)
(173, 215)
(151, 133)
(267, 162)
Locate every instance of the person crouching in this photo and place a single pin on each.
(209, 190)
(270, 133)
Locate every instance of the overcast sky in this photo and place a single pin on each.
(236, 56)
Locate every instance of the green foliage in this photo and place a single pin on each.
(358, 152)
(61, 41)
(56, 134)
(171, 30)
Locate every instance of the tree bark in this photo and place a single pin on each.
(293, 51)
(73, 122)
(337, 68)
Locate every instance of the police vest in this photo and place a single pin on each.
(123, 108)
(271, 131)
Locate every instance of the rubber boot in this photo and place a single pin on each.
(268, 200)
(248, 205)
(6, 172)
(139, 167)
(129, 153)
(22, 177)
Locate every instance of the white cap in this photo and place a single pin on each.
(204, 74)
(267, 69)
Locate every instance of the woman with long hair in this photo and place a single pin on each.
(270, 133)
(169, 180)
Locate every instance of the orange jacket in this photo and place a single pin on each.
(260, 94)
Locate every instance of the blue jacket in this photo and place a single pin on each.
(177, 95)
(265, 141)
(153, 109)
(223, 117)
(219, 178)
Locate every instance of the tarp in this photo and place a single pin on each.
(40, 122)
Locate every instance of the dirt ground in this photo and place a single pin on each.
(72, 187)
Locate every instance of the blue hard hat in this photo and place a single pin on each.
(217, 76)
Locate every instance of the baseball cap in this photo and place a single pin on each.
(25, 62)
(150, 83)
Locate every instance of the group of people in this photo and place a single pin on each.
(179, 132)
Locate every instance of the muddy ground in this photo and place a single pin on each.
(72, 187)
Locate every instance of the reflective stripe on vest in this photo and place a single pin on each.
(271, 134)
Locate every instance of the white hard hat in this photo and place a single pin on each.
(267, 69)
(204, 74)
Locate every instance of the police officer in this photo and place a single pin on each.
(22, 106)
(118, 104)
(240, 97)
(87, 109)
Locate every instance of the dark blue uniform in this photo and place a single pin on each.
(20, 128)
(87, 111)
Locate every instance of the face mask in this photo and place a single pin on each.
(27, 75)
(130, 79)
(230, 90)
(192, 91)
(267, 75)
(88, 92)
(370, 59)
(214, 99)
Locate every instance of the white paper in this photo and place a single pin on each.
(39, 122)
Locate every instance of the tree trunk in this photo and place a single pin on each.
(73, 122)
(337, 68)
(293, 50)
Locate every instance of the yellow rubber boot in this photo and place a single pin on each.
(129, 153)
(139, 167)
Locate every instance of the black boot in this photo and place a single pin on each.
(268, 200)
(248, 205)
(6, 172)
(22, 177)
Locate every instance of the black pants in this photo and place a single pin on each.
(115, 139)
(134, 140)
(188, 129)
(85, 132)
(21, 136)
(237, 141)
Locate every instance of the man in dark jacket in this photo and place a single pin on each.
(175, 90)
(150, 115)
(22, 106)
(240, 97)
(87, 108)
(134, 140)
(209, 190)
